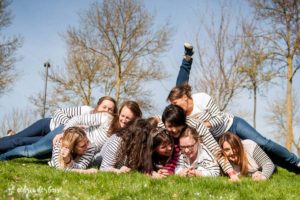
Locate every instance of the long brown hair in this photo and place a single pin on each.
(134, 143)
(179, 91)
(238, 148)
(115, 111)
(133, 107)
(71, 137)
(157, 137)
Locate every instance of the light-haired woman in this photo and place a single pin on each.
(44, 126)
(74, 151)
(195, 158)
(246, 157)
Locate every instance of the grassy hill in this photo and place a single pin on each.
(33, 179)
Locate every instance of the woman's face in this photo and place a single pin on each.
(106, 106)
(229, 152)
(174, 131)
(164, 149)
(125, 116)
(189, 147)
(81, 147)
(181, 102)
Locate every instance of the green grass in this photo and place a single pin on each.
(33, 179)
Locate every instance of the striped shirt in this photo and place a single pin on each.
(208, 140)
(257, 159)
(80, 162)
(205, 109)
(63, 115)
(204, 163)
(96, 126)
(108, 154)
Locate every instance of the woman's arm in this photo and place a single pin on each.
(263, 161)
(109, 154)
(83, 161)
(206, 163)
(96, 119)
(63, 115)
(211, 144)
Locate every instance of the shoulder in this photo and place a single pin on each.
(201, 98)
(249, 145)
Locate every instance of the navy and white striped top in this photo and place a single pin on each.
(63, 115)
(80, 162)
(109, 154)
(208, 140)
(204, 162)
(205, 109)
(258, 160)
(96, 127)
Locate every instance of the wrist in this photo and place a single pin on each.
(231, 173)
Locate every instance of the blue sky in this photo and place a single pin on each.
(41, 24)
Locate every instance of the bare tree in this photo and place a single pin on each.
(8, 48)
(282, 19)
(256, 63)
(217, 71)
(118, 38)
(278, 117)
(12, 121)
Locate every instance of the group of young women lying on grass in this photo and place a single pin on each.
(192, 138)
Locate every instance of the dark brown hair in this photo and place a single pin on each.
(178, 92)
(134, 143)
(157, 137)
(238, 148)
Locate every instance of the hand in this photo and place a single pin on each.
(207, 124)
(57, 139)
(65, 152)
(90, 171)
(163, 172)
(183, 172)
(234, 178)
(194, 172)
(124, 169)
(157, 175)
(258, 176)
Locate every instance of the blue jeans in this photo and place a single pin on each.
(29, 135)
(184, 72)
(41, 148)
(278, 154)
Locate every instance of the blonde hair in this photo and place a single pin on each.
(71, 137)
(190, 132)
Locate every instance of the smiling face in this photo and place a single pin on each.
(164, 149)
(125, 116)
(189, 147)
(106, 106)
(174, 131)
(229, 152)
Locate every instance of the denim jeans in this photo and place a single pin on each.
(40, 148)
(184, 72)
(29, 135)
(277, 153)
